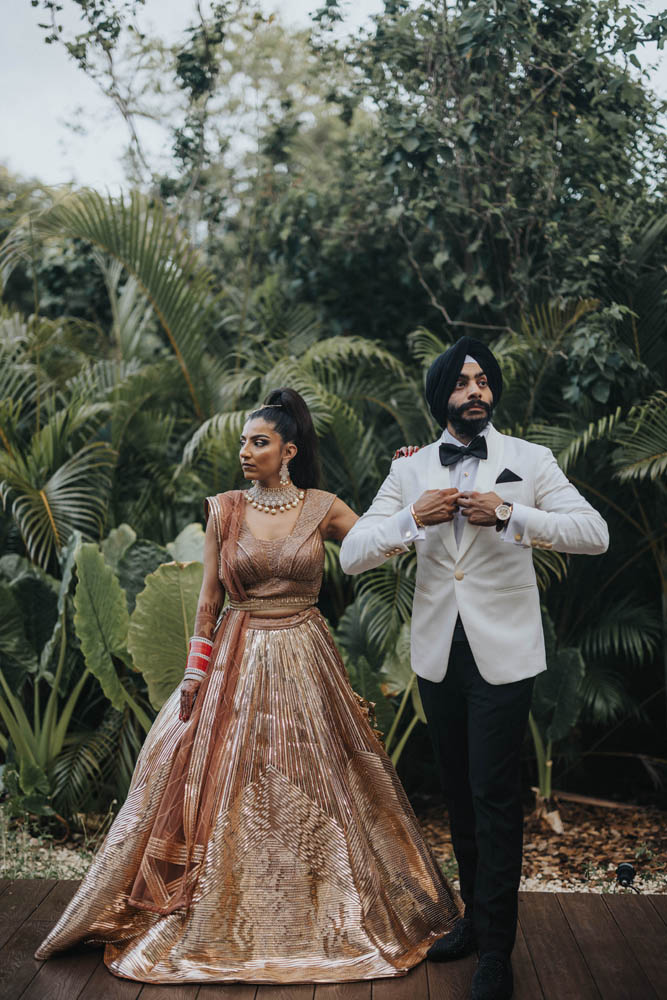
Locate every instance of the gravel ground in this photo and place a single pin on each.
(581, 859)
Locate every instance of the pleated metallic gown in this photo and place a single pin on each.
(268, 839)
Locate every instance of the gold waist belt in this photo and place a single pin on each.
(268, 603)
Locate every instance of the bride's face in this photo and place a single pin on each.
(262, 452)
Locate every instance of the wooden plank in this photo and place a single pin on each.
(451, 980)
(360, 990)
(17, 964)
(103, 983)
(660, 904)
(558, 962)
(64, 976)
(22, 896)
(43, 900)
(52, 906)
(526, 983)
(222, 991)
(303, 991)
(179, 991)
(645, 933)
(19, 901)
(617, 973)
(414, 985)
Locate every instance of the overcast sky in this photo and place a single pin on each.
(42, 89)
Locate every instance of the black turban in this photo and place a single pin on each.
(443, 373)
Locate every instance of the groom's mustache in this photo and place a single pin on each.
(473, 404)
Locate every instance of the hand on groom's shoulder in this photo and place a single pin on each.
(406, 451)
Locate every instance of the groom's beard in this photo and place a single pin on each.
(468, 426)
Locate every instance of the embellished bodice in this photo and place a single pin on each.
(289, 567)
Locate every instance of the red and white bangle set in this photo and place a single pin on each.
(199, 657)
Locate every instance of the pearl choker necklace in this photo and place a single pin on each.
(274, 501)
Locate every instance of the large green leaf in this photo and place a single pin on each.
(161, 625)
(116, 544)
(17, 656)
(101, 620)
(557, 694)
(353, 639)
(36, 594)
(366, 682)
(188, 546)
(397, 671)
(138, 561)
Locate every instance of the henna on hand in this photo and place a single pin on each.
(206, 619)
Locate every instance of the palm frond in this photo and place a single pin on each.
(385, 595)
(344, 351)
(569, 443)
(425, 346)
(77, 773)
(138, 232)
(642, 452)
(224, 426)
(130, 310)
(549, 566)
(623, 628)
(605, 698)
(546, 326)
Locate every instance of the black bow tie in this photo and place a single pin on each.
(450, 454)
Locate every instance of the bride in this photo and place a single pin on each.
(266, 836)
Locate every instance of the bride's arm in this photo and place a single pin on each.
(338, 521)
(211, 597)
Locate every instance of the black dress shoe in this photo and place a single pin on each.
(493, 978)
(459, 942)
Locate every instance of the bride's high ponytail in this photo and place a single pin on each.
(289, 414)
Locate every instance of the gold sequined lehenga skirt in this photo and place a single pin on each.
(316, 869)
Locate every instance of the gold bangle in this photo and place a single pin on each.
(418, 521)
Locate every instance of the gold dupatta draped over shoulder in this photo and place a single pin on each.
(185, 818)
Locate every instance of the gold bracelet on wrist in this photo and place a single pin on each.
(418, 521)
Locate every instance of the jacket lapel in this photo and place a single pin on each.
(438, 479)
(487, 473)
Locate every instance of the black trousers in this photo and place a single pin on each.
(477, 731)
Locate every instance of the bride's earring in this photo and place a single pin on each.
(284, 474)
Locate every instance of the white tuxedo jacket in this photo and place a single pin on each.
(489, 578)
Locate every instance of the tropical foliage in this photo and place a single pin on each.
(334, 214)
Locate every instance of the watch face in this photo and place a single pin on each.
(503, 511)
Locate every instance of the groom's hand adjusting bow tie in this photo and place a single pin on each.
(450, 454)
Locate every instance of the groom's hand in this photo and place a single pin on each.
(437, 506)
(479, 508)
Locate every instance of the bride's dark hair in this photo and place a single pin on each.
(289, 414)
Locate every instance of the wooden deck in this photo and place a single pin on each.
(570, 946)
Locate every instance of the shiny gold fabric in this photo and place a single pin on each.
(314, 868)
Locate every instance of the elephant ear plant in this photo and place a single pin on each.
(556, 707)
(117, 647)
(32, 745)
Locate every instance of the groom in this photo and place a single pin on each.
(474, 504)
